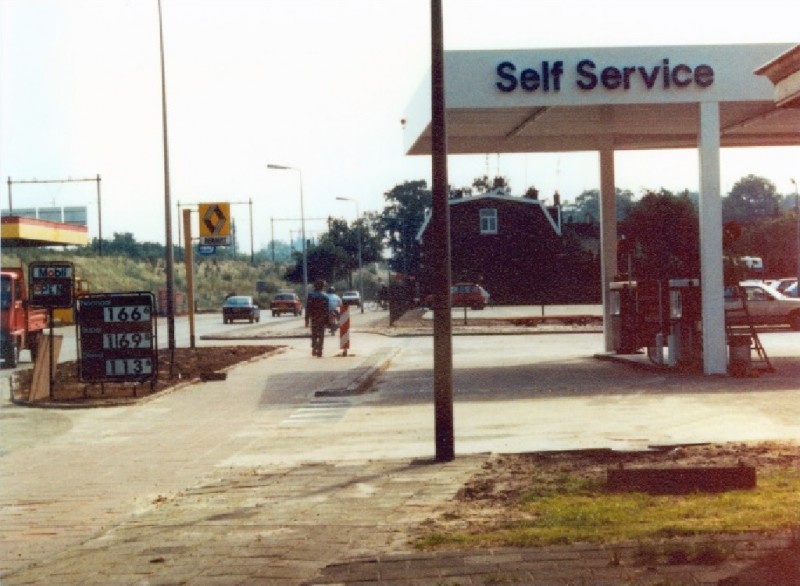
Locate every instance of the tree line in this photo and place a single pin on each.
(659, 232)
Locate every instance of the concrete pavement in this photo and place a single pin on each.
(286, 475)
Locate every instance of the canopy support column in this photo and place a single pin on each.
(711, 279)
(608, 235)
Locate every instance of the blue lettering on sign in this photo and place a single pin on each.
(530, 79)
(548, 77)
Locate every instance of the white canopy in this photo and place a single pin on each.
(623, 98)
(583, 111)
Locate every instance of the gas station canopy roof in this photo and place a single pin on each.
(623, 98)
(29, 232)
(628, 98)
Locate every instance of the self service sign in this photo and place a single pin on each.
(117, 337)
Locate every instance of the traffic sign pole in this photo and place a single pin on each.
(187, 245)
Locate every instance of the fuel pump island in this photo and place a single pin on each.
(664, 318)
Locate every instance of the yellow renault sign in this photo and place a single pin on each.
(215, 224)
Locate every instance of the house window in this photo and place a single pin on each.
(488, 221)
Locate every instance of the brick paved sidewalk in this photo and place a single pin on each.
(751, 560)
(258, 527)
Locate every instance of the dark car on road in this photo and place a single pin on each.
(240, 307)
(468, 295)
(286, 303)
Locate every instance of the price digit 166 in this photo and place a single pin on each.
(131, 313)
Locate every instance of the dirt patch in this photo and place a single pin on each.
(185, 364)
(490, 498)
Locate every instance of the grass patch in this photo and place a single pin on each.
(572, 509)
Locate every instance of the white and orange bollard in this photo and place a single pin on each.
(344, 330)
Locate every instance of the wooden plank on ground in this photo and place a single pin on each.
(40, 381)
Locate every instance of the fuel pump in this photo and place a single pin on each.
(686, 337)
(638, 317)
(624, 316)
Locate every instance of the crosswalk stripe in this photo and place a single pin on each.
(326, 411)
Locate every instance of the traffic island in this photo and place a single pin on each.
(175, 369)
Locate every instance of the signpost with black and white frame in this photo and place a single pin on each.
(117, 337)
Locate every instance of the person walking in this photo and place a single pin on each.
(317, 315)
(335, 308)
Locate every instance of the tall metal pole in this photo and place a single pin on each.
(797, 232)
(358, 239)
(442, 326)
(10, 201)
(303, 230)
(360, 267)
(252, 255)
(170, 257)
(302, 222)
(99, 220)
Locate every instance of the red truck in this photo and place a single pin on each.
(21, 326)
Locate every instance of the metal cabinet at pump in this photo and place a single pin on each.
(639, 317)
(658, 316)
(685, 341)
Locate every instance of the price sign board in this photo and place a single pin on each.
(117, 337)
(51, 284)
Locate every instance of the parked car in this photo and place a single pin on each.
(351, 298)
(286, 303)
(787, 286)
(240, 307)
(782, 284)
(765, 304)
(468, 295)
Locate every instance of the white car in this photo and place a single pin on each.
(351, 298)
(781, 285)
(789, 288)
(765, 305)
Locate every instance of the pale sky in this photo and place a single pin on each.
(320, 85)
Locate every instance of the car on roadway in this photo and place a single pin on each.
(351, 298)
(783, 285)
(240, 307)
(469, 295)
(790, 290)
(765, 305)
(284, 302)
(787, 286)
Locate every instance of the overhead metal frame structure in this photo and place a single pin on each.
(68, 234)
(704, 97)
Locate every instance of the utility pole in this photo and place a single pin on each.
(797, 232)
(442, 323)
(170, 253)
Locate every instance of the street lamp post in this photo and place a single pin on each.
(358, 238)
(170, 260)
(797, 231)
(302, 221)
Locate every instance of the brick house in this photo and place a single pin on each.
(513, 246)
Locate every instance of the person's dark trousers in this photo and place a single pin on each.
(317, 337)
